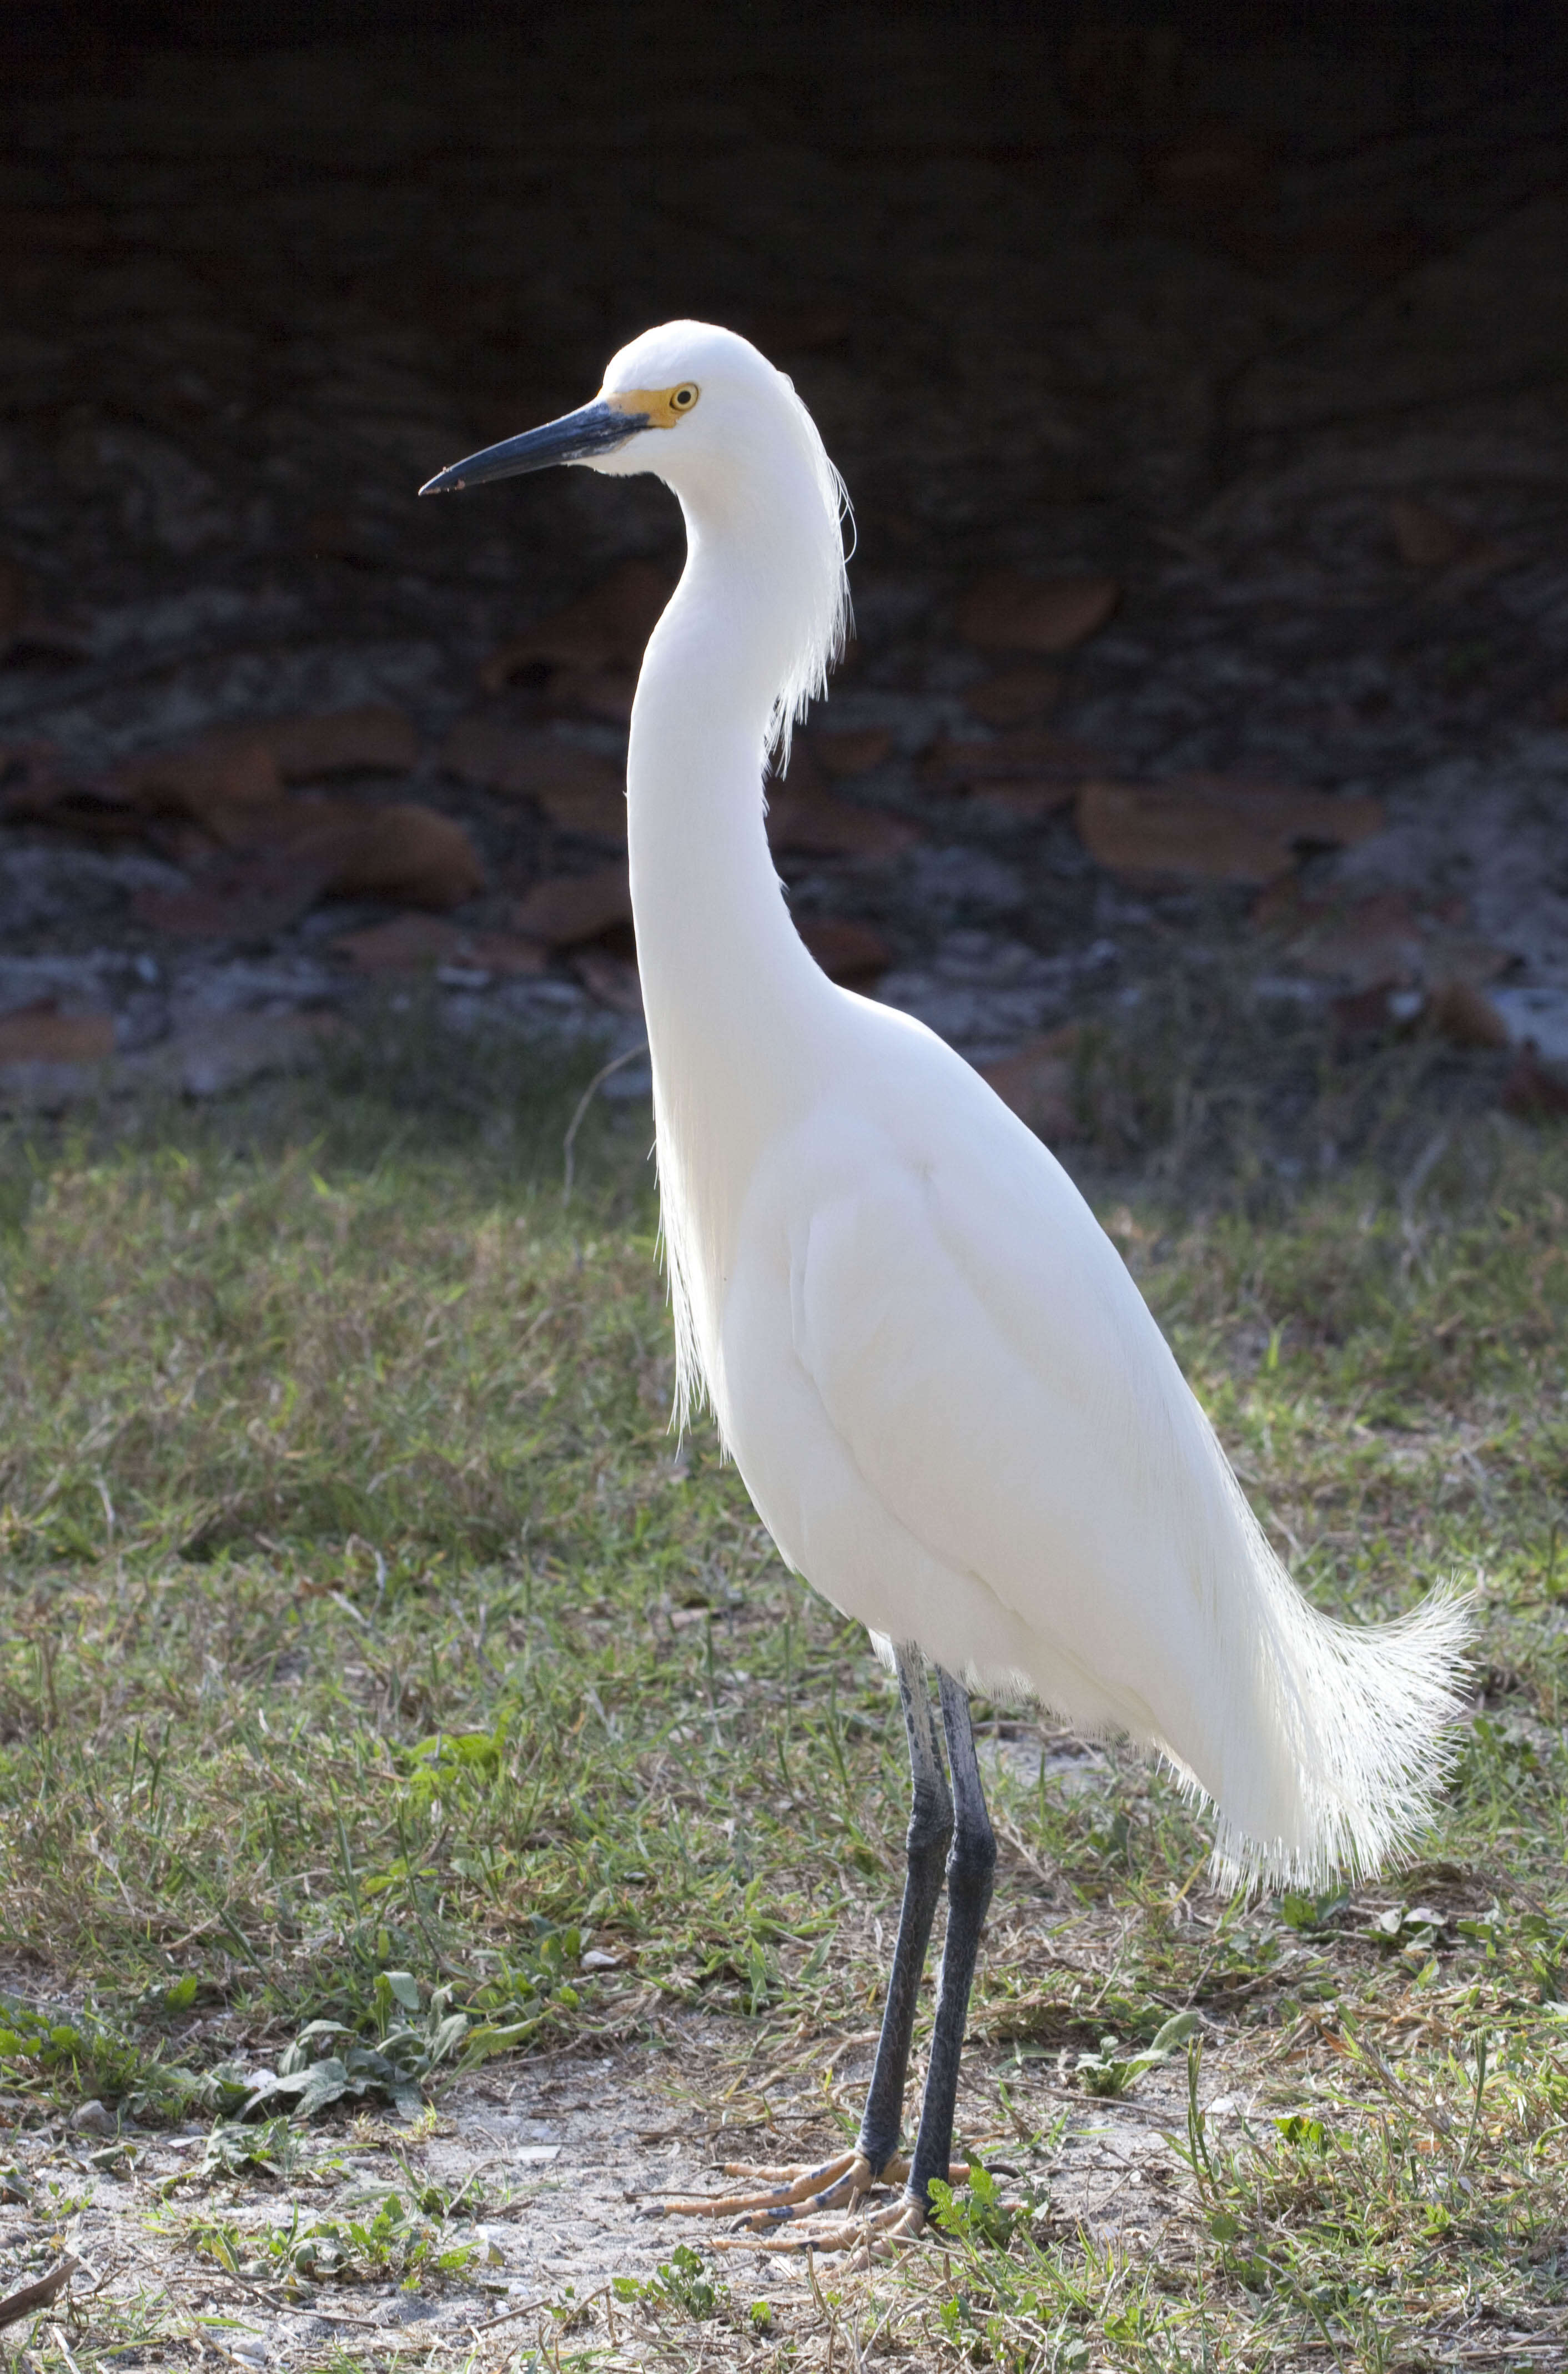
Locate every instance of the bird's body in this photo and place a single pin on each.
(945, 1393)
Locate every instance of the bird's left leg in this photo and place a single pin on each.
(972, 1861)
(804, 2192)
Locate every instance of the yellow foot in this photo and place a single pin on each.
(786, 2193)
(875, 2235)
(798, 2197)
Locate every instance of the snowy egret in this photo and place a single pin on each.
(954, 1412)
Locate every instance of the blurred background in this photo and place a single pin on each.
(1198, 373)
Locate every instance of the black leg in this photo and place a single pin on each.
(841, 2181)
(930, 1830)
(970, 1868)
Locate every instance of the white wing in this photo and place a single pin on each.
(998, 1385)
(962, 1425)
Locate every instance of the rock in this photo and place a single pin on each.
(41, 1034)
(955, 764)
(805, 817)
(405, 852)
(578, 790)
(807, 826)
(1037, 1082)
(217, 782)
(1466, 1017)
(423, 943)
(517, 760)
(1017, 697)
(1425, 538)
(224, 779)
(609, 978)
(1013, 613)
(94, 2119)
(984, 991)
(403, 943)
(1022, 774)
(592, 811)
(1384, 940)
(249, 894)
(1214, 828)
(597, 1959)
(375, 739)
(604, 694)
(1535, 1090)
(952, 880)
(1024, 800)
(1378, 939)
(33, 790)
(853, 750)
(304, 850)
(571, 908)
(245, 2349)
(846, 950)
(586, 655)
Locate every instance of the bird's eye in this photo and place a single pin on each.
(683, 399)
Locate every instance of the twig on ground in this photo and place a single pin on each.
(42, 2294)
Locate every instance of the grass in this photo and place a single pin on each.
(369, 1656)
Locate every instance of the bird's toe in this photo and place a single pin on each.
(795, 2211)
(786, 2194)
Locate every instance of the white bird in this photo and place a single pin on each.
(948, 1399)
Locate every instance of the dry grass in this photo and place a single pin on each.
(358, 1621)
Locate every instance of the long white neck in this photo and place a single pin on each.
(736, 1009)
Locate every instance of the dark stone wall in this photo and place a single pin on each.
(1243, 330)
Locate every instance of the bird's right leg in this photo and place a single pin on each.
(926, 1849)
(806, 2191)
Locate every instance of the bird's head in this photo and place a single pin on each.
(702, 410)
(689, 402)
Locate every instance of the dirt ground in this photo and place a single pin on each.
(567, 2161)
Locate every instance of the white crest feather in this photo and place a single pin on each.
(825, 618)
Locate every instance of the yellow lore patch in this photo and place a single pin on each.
(659, 407)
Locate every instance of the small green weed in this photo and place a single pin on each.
(275, 2149)
(682, 2286)
(91, 2052)
(1109, 2073)
(394, 2238)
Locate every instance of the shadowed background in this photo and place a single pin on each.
(1197, 377)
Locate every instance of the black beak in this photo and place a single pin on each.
(596, 428)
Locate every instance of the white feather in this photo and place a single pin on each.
(943, 1390)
